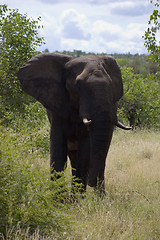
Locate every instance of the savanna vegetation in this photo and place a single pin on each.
(33, 207)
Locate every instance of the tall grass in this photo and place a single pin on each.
(33, 207)
(131, 208)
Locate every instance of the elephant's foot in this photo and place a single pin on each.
(100, 189)
(99, 186)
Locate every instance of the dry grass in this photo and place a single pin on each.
(133, 156)
(131, 207)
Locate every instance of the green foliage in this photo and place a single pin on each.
(140, 103)
(77, 53)
(18, 42)
(29, 199)
(151, 34)
(140, 63)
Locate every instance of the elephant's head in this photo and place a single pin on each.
(91, 84)
(96, 82)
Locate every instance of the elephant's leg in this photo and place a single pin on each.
(58, 148)
(101, 179)
(83, 161)
(100, 186)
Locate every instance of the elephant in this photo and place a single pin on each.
(81, 96)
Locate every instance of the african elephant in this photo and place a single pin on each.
(80, 95)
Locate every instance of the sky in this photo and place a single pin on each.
(99, 26)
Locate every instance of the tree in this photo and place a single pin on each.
(18, 42)
(140, 103)
(151, 34)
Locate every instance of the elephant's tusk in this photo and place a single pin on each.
(86, 122)
(120, 125)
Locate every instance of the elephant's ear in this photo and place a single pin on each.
(42, 78)
(114, 72)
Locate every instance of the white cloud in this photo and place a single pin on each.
(130, 8)
(76, 31)
(106, 30)
(90, 25)
(134, 31)
(74, 25)
(71, 44)
(94, 2)
(50, 32)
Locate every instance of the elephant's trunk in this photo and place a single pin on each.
(100, 138)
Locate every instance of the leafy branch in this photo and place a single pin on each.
(151, 34)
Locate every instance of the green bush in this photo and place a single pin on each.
(140, 103)
(19, 39)
(29, 199)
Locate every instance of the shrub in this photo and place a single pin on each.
(29, 200)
